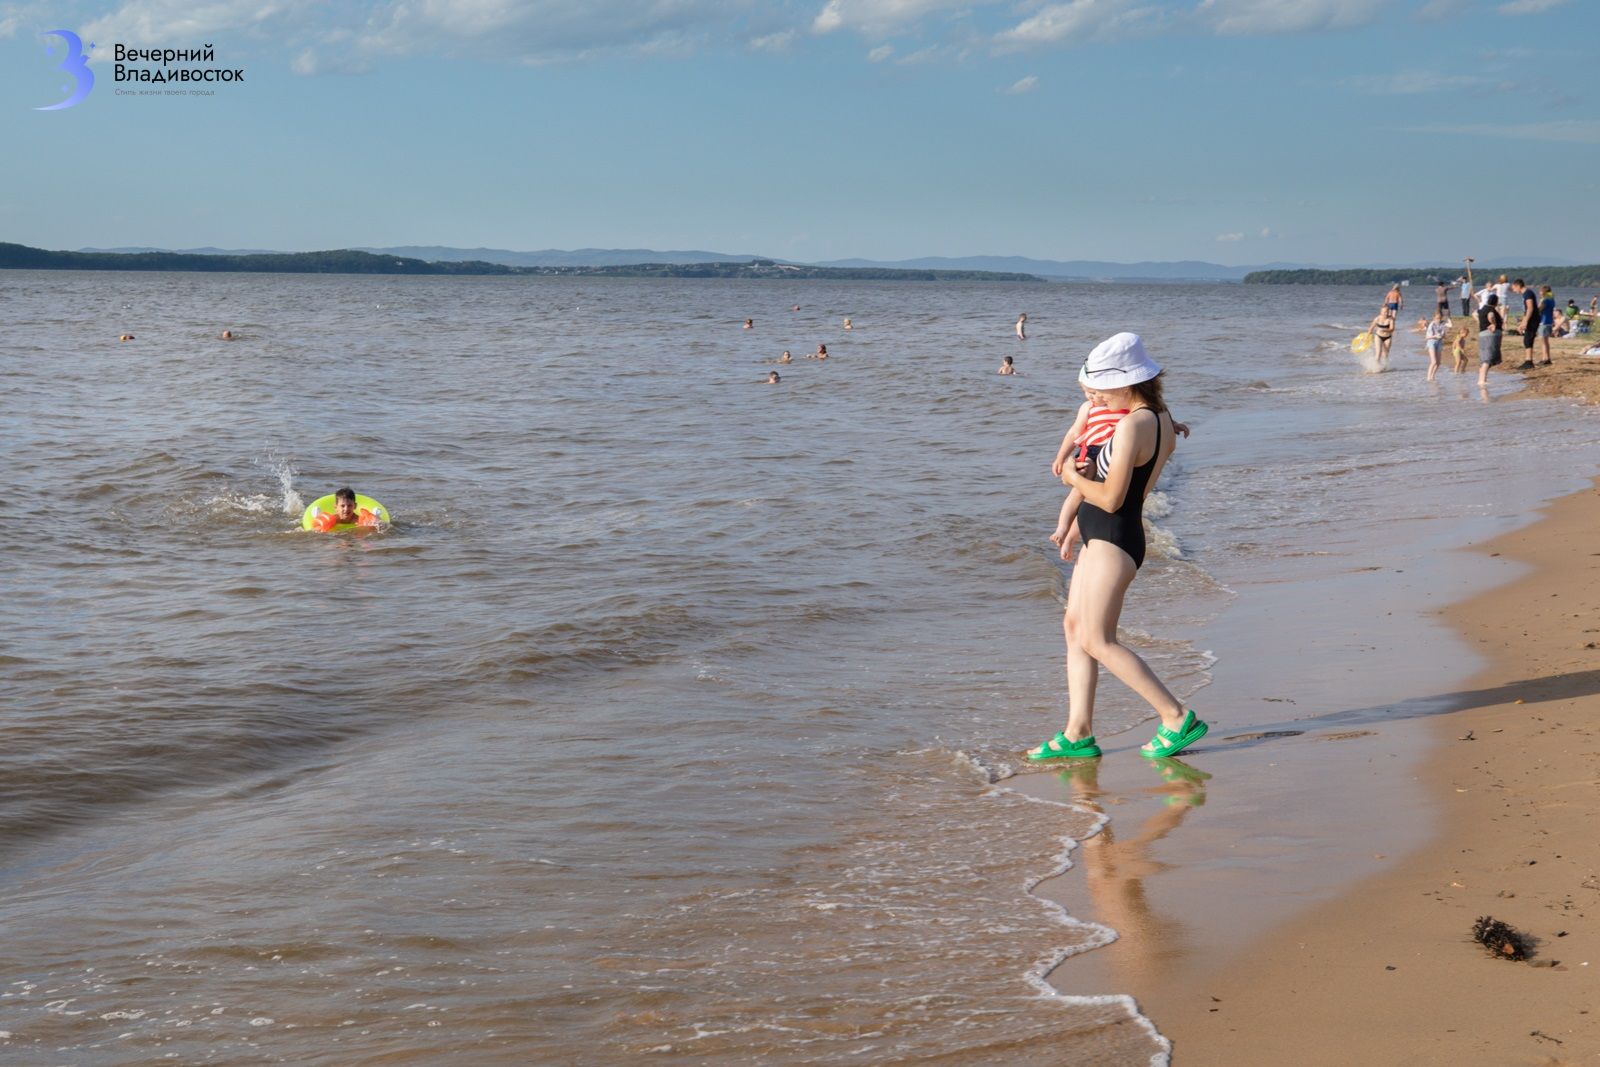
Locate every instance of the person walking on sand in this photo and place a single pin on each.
(1530, 320)
(1022, 326)
(1111, 521)
(1547, 321)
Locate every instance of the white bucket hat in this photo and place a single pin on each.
(1118, 362)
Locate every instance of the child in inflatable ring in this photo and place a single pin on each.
(345, 514)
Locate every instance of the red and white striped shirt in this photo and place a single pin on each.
(1097, 429)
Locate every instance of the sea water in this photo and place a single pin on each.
(674, 717)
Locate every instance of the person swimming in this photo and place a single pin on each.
(749, 324)
(786, 357)
(773, 377)
(847, 325)
(820, 353)
(1006, 366)
(227, 335)
(345, 513)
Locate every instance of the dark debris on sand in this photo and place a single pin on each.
(1506, 942)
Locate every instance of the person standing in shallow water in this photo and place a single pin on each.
(1111, 523)
(1022, 326)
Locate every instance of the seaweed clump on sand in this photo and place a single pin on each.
(1506, 942)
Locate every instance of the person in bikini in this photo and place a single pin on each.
(1382, 330)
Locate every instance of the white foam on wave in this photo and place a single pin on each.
(286, 473)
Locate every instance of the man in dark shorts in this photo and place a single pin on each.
(1530, 321)
(1442, 294)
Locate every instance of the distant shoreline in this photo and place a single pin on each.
(1571, 277)
(346, 261)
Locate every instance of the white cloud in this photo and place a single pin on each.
(346, 37)
(1077, 20)
(1252, 17)
(878, 17)
(1412, 83)
(1529, 7)
(1024, 85)
(1228, 238)
(774, 42)
(880, 53)
(182, 24)
(1561, 131)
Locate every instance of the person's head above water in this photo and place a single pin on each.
(227, 335)
(344, 502)
(773, 378)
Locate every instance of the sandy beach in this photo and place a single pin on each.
(1267, 970)
(1389, 973)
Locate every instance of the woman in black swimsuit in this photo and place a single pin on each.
(1111, 520)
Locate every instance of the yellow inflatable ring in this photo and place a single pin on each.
(1362, 342)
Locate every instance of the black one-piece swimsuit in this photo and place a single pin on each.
(1125, 526)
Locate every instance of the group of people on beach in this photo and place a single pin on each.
(1540, 320)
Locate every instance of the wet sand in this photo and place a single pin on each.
(1388, 973)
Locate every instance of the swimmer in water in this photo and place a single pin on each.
(1006, 367)
(227, 335)
(773, 378)
(345, 513)
(795, 308)
(786, 357)
(749, 324)
(125, 337)
(1022, 326)
(847, 325)
(820, 353)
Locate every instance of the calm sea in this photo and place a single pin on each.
(672, 718)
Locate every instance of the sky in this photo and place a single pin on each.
(1233, 131)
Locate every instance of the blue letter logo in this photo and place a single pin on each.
(76, 64)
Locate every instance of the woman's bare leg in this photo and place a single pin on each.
(1083, 673)
(1102, 577)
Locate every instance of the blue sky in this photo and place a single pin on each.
(1236, 131)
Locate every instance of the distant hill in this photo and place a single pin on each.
(555, 257)
(1582, 277)
(1076, 269)
(355, 261)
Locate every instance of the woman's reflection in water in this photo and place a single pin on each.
(1115, 870)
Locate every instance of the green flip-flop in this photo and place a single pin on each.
(1171, 742)
(1058, 747)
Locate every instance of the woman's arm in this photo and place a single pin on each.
(1132, 433)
